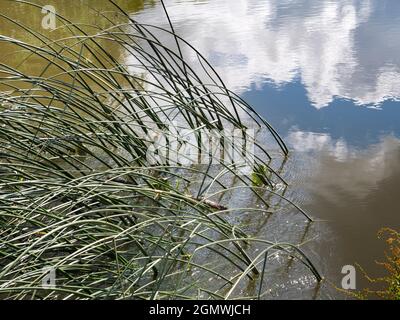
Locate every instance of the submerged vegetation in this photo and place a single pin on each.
(78, 193)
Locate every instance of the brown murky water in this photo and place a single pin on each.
(326, 74)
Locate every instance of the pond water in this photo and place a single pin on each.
(326, 75)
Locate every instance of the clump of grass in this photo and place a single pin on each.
(77, 192)
(390, 284)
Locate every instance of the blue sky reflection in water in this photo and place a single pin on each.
(326, 74)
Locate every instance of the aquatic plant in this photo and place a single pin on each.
(389, 284)
(79, 196)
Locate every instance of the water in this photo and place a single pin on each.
(326, 75)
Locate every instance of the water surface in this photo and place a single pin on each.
(326, 75)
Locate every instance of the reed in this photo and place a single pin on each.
(78, 192)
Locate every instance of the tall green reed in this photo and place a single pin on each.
(78, 193)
